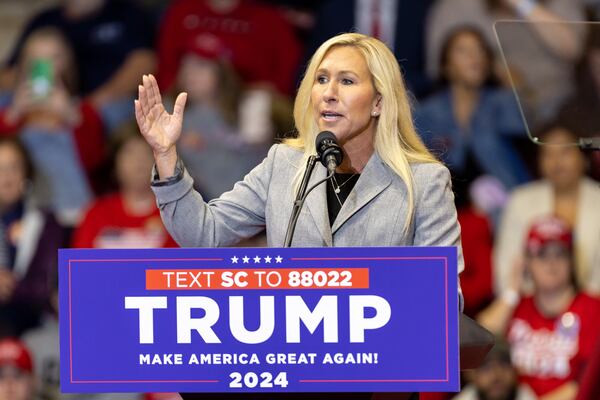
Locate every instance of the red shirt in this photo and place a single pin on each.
(260, 42)
(477, 242)
(108, 225)
(549, 352)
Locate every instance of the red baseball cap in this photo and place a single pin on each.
(13, 352)
(548, 230)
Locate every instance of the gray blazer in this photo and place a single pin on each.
(374, 214)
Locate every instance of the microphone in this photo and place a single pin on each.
(330, 154)
(329, 151)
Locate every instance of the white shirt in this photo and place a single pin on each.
(387, 15)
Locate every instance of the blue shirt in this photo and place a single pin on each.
(486, 139)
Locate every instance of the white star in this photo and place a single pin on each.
(256, 260)
(278, 259)
(234, 260)
(268, 260)
(245, 259)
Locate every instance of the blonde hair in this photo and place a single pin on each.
(396, 140)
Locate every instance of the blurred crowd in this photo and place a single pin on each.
(503, 107)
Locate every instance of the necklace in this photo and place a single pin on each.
(337, 187)
(335, 192)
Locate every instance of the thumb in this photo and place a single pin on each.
(179, 106)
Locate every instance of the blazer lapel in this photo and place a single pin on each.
(373, 180)
(316, 202)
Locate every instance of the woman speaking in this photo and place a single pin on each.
(388, 190)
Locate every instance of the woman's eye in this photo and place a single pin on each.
(347, 81)
(321, 79)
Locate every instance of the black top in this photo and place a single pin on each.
(14, 214)
(345, 182)
(101, 41)
(463, 178)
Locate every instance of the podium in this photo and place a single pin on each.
(264, 323)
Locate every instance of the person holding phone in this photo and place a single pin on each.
(63, 135)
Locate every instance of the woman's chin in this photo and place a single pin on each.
(337, 130)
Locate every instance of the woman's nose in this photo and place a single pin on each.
(330, 92)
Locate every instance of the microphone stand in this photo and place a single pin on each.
(299, 201)
(301, 197)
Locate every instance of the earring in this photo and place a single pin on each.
(375, 113)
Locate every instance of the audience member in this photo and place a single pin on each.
(43, 343)
(477, 241)
(495, 379)
(581, 110)
(539, 44)
(399, 24)
(16, 371)
(129, 217)
(214, 133)
(565, 191)
(63, 135)
(553, 332)
(32, 238)
(112, 42)
(300, 14)
(582, 107)
(468, 123)
(261, 44)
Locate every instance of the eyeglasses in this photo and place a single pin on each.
(553, 252)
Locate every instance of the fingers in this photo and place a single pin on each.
(149, 91)
(139, 116)
(155, 89)
(143, 100)
(179, 106)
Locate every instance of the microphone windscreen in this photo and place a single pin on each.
(323, 141)
(327, 145)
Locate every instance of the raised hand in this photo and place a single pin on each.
(160, 129)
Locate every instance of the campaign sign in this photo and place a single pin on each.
(259, 320)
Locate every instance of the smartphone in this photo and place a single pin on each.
(41, 78)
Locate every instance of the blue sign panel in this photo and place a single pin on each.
(259, 320)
